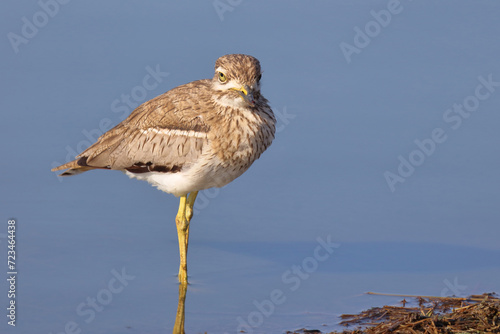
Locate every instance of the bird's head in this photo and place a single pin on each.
(237, 77)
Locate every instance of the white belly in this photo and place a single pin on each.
(195, 178)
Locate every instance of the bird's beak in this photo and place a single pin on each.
(246, 94)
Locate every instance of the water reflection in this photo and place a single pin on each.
(180, 316)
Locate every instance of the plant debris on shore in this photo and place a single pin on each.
(433, 315)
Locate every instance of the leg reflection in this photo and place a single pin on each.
(180, 316)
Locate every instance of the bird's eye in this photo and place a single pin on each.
(222, 77)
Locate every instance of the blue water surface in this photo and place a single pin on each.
(383, 175)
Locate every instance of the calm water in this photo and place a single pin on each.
(383, 176)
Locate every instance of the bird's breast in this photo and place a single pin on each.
(242, 136)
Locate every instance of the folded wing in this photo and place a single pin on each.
(163, 135)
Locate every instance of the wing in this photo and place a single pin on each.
(164, 134)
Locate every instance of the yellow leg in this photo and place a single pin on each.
(189, 211)
(190, 204)
(182, 221)
(182, 226)
(181, 313)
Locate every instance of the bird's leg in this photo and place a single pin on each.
(182, 233)
(182, 221)
(190, 204)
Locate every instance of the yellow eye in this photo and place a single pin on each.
(222, 77)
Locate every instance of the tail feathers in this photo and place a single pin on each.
(75, 167)
(75, 171)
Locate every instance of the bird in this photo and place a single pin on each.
(196, 136)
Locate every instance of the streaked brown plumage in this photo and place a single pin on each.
(199, 135)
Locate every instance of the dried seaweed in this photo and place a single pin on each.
(431, 315)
